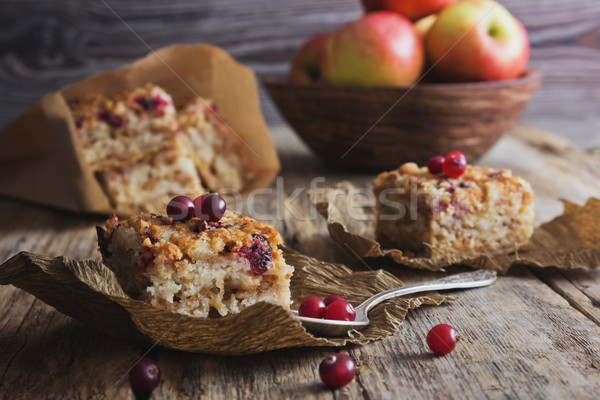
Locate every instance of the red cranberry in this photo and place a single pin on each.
(332, 297)
(212, 207)
(337, 370)
(259, 255)
(199, 200)
(180, 208)
(78, 121)
(116, 121)
(150, 103)
(144, 377)
(435, 165)
(312, 307)
(340, 310)
(442, 339)
(455, 164)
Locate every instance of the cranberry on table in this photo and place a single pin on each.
(337, 370)
(340, 310)
(442, 339)
(180, 208)
(144, 377)
(435, 165)
(212, 207)
(332, 297)
(455, 164)
(312, 307)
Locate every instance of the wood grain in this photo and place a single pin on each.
(46, 44)
(530, 335)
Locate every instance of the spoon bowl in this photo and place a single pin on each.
(329, 327)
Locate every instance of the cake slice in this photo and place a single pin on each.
(483, 211)
(116, 131)
(222, 159)
(198, 268)
(149, 183)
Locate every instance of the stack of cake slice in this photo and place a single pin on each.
(143, 150)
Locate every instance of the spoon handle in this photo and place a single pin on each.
(464, 280)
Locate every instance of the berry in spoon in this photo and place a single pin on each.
(312, 307)
(340, 310)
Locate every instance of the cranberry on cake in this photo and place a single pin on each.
(197, 267)
(479, 210)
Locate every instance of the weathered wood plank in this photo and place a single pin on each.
(522, 338)
(518, 340)
(581, 290)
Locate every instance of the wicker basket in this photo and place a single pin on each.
(382, 127)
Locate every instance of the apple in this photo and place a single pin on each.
(424, 25)
(381, 48)
(306, 64)
(477, 40)
(411, 9)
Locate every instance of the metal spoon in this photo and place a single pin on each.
(329, 327)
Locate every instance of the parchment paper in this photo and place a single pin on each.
(40, 156)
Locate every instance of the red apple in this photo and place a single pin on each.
(306, 64)
(411, 9)
(381, 48)
(477, 40)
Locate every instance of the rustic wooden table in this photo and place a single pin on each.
(534, 334)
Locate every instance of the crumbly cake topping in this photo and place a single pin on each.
(462, 193)
(119, 115)
(177, 240)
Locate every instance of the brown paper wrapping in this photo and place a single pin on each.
(41, 160)
(571, 241)
(88, 291)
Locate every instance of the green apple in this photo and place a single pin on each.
(477, 40)
(381, 48)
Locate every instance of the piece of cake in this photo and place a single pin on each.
(483, 211)
(222, 159)
(194, 267)
(119, 130)
(149, 183)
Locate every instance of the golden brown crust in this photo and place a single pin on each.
(230, 234)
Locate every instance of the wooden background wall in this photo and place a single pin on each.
(46, 44)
